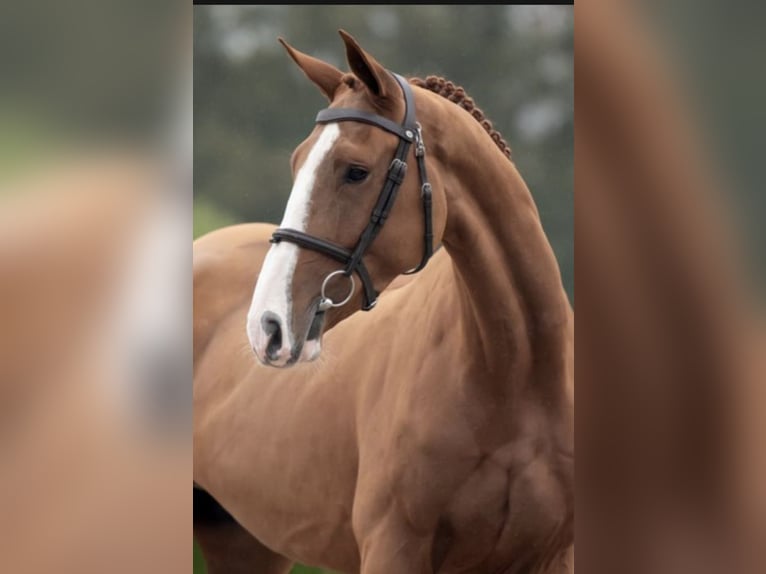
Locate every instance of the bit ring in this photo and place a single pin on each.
(326, 303)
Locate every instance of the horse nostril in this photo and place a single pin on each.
(273, 328)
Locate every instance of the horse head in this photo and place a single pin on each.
(362, 209)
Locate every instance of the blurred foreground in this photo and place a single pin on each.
(670, 363)
(95, 416)
(95, 289)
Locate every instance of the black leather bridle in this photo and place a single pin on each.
(409, 132)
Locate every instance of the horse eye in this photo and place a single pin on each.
(355, 174)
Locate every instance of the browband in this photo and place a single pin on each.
(329, 115)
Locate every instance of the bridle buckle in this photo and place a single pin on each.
(420, 146)
(397, 171)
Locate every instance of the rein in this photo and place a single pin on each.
(408, 132)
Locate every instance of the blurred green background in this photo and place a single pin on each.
(252, 105)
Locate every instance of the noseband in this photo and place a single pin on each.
(408, 132)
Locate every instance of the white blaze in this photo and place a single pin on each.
(274, 287)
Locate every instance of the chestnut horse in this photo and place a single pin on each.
(435, 432)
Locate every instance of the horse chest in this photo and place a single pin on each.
(516, 517)
(508, 509)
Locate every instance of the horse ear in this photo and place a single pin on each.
(325, 76)
(377, 79)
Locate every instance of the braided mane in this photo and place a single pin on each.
(456, 94)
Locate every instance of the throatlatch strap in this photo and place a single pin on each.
(426, 196)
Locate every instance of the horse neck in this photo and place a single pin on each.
(511, 301)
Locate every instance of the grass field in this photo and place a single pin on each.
(199, 565)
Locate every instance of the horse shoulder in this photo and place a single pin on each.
(226, 263)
